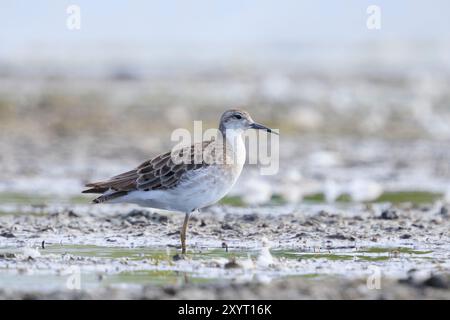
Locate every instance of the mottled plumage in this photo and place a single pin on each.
(184, 179)
(158, 173)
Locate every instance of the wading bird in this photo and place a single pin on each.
(186, 179)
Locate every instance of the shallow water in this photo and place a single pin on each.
(56, 245)
(55, 266)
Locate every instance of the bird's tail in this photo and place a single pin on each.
(108, 194)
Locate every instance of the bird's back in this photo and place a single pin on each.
(197, 176)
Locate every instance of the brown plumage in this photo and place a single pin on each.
(158, 173)
(187, 179)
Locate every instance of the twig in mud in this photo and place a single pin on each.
(225, 245)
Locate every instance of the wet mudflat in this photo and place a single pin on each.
(357, 208)
(311, 250)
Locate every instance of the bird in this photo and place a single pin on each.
(188, 178)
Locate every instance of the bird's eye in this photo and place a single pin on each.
(238, 116)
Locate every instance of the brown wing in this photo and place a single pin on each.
(159, 173)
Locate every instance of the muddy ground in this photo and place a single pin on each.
(356, 147)
(308, 251)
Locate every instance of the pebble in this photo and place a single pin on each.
(437, 281)
(7, 234)
(389, 214)
(232, 264)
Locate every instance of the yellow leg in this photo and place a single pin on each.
(183, 233)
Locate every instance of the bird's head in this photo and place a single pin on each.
(239, 120)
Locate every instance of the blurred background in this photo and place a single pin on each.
(363, 114)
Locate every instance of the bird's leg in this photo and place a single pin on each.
(183, 232)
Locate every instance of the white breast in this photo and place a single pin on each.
(198, 188)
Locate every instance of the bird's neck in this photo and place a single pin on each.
(233, 138)
(231, 134)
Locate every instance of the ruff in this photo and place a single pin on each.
(186, 179)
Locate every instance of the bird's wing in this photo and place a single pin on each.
(159, 173)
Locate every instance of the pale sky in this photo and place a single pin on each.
(209, 27)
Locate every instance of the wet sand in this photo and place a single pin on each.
(369, 137)
(308, 251)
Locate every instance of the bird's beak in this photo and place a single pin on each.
(258, 126)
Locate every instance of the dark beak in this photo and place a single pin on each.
(258, 126)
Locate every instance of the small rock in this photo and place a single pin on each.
(171, 291)
(178, 257)
(160, 218)
(323, 213)
(226, 226)
(405, 236)
(72, 214)
(7, 234)
(232, 264)
(7, 255)
(136, 213)
(139, 216)
(389, 214)
(340, 236)
(437, 281)
(250, 217)
(300, 235)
